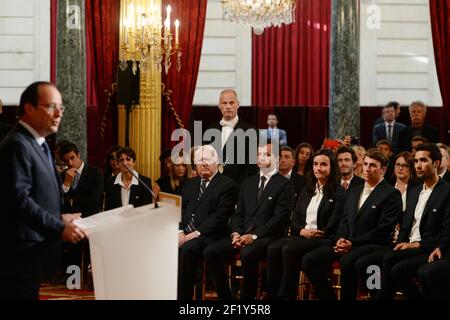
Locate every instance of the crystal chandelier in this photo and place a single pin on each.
(145, 40)
(259, 14)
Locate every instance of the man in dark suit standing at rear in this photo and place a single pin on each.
(234, 152)
(389, 129)
(417, 113)
(262, 216)
(208, 204)
(31, 196)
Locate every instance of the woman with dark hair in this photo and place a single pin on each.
(179, 171)
(112, 168)
(303, 153)
(314, 223)
(404, 177)
(125, 189)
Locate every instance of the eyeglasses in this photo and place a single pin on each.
(402, 165)
(51, 107)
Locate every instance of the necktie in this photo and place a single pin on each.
(75, 181)
(46, 150)
(345, 185)
(191, 224)
(202, 188)
(389, 136)
(261, 186)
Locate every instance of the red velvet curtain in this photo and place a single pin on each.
(192, 16)
(102, 55)
(291, 64)
(440, 25)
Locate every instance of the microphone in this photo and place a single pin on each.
(139, 179)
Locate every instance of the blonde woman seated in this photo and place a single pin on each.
(180, 170)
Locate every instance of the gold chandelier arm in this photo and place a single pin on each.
(167, 93)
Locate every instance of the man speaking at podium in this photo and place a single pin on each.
(31, 196)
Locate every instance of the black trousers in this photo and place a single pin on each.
(190, 256)
(21, 270)
(374, 258)
(284, 258)
(399, 271)
(434, 278)
(218, 254)
(316, 264)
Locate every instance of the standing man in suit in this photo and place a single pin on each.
(417, 113)
(427, 211)
(31, 196)
(287, 163)
(83, 184)
(396, 107)
(262, 216)
(208, 204)
(273, 133)
(230, 149)
(370, 214)
(389, 129)
(443, 171)
(346, 159)
(125, 189)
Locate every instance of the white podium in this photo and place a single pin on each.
(134, 252)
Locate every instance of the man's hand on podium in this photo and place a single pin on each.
(71, 232)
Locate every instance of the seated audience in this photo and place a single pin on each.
(262, 216)
(385, 147)
(360, 154)
(302, 154)
(315, 220)
(346, 159)
(443, 172)
(173, 183)
(286, 166)
(125, 189)
(112, 167)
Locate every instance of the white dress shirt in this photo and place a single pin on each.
(366, 193)
(414, 236)
(313, 208)
(227, 128)
(125, 192)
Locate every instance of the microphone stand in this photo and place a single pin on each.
(140, 180)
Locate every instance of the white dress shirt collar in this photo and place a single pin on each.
(40, 140)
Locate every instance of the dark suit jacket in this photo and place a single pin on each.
(237, 172)
(436, 211)
(4, 129)
(30, 194)
(379, 133)
(213, 210)
(375, 221)
(446, 177)
(298, 181)
(356, 181)
(268, 216)
(87, 197)
(328, 215)
(139, 195)
(429, 132)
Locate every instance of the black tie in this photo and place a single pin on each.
(389, 137)
(261, 186)
(191, 224)
(46, 149)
